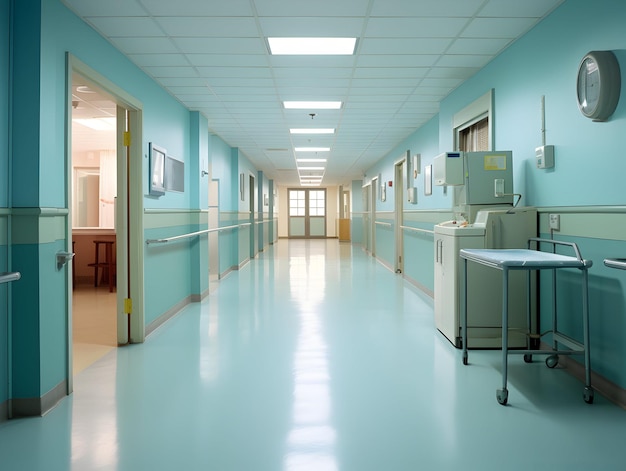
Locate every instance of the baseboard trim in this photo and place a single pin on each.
(419, 286)
(163, 318)
(604, 386)
(38, 406)
(4, 411)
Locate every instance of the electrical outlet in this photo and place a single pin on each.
(555, 221)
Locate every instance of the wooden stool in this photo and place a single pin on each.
(74, 265)
(107, 265)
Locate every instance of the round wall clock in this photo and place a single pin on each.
(599, 84)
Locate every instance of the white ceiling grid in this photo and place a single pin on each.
(212, 56)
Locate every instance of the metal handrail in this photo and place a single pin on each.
(417, 229)
(8, 276)
(193, 234)
(382, 223)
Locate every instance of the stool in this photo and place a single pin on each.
(74, 265)
(107, 265)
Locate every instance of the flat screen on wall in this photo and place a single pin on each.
(174, 174)
(157, 170)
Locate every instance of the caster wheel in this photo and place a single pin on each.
(502, 395)
(552, 361)
(465, 358)
(588, 395)
(528, 358)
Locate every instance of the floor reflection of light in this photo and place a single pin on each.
(209, 364)
(311, 441)
(96, 446)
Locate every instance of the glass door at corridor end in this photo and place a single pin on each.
(307, 213)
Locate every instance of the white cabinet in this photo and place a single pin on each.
(449, 275)
(492, 229)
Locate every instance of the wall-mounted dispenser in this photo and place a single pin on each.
(544, 156)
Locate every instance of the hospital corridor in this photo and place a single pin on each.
(314, 356)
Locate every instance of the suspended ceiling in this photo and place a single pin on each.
(410, 54)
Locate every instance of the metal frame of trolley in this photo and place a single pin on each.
(531, 260)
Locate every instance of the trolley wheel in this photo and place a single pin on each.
(552, 361)
(502, 395)
(588, 395)
(465, 358)
(528, 358)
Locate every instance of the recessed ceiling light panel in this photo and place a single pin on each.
(312, 46)
(312, 131)
(312, 149)
(312, 105)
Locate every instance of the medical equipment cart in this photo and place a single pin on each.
(529, 260)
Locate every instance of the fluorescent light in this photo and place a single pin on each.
(99, 124)
(312, 105)
(312, 131)
(309, 184)
(311, 160)
(311, 168)
(312, 149)
(312, 46)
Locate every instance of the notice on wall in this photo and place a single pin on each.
(495, 162)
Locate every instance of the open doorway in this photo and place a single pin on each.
(126, 289)
(94, 189)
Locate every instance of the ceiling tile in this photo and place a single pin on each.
(415, 27)
(196, 8)
(109, 8)
(498, 27)
(144, 45)
(207, 27)
(426, 8)
(159, 60)
(127, 27)
(311, 27)
(220, 45)
(330, 8)
(404, 46)
(228, 60)
(526, 8)
(478, 46)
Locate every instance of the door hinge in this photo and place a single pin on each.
(126, 138)
(128, 306)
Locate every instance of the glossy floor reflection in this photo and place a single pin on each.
(314, 357)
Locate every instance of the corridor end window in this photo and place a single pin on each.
(317, 202)
(297, 203)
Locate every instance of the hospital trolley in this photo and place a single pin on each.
(532, 259)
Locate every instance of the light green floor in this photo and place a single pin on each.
(314, 357)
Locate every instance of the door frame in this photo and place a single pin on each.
(373, 196)
(129, 230)
(400, 170)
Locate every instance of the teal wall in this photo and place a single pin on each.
(4, 196)
(44, 32)
(587, 177)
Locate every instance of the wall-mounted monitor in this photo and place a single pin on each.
(157, 169)
(174, 174)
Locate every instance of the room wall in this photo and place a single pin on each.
(45, 31)
(4, 202)
(585, 186)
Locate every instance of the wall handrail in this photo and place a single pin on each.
(6, 277)
(417, 229)
(197, 233)
(386, 224)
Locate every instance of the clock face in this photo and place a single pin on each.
(588, 86)
(598, 85)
